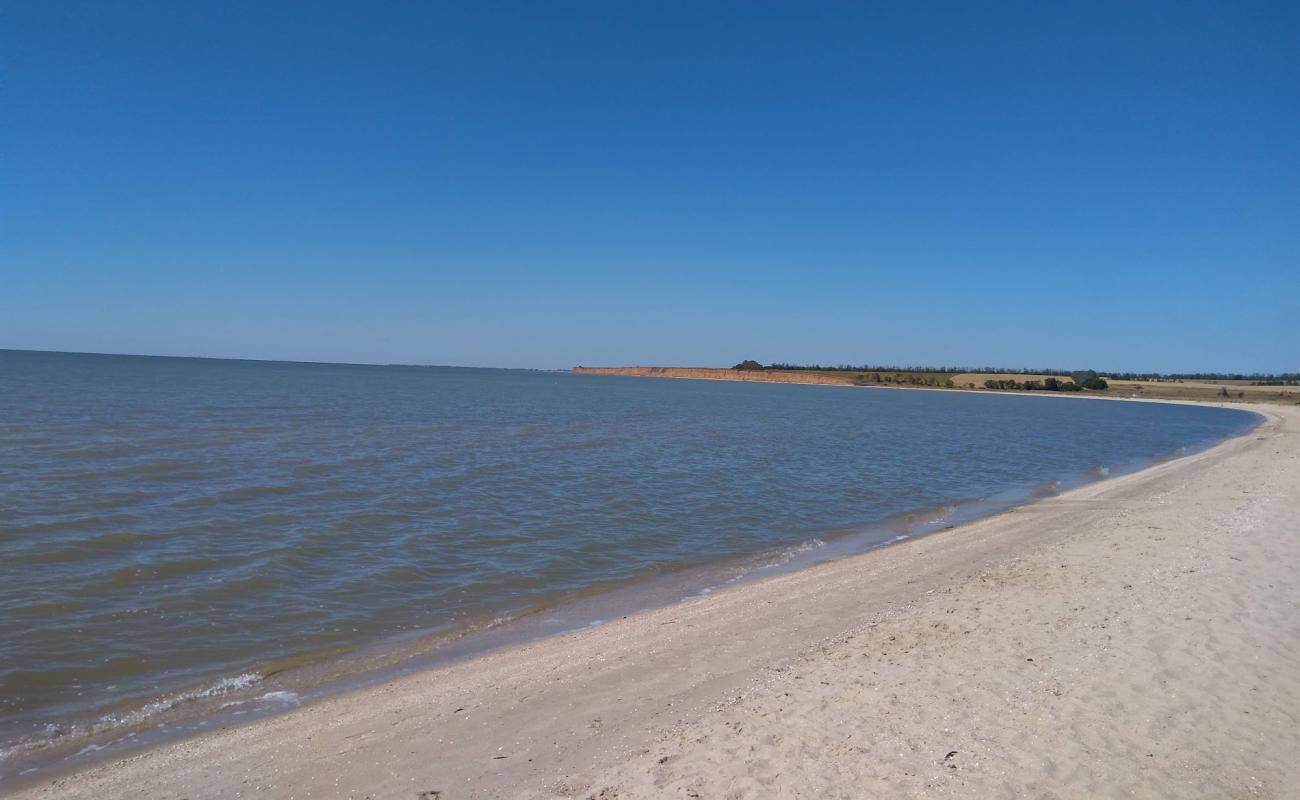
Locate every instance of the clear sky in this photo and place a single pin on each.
(1099, 185)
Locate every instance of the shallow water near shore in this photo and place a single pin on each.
(183, 535)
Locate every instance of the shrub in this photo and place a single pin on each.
(1089, 379)
(748, 364)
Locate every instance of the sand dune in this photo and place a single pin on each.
(1138, 637)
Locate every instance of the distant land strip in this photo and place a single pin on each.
(710, 374)
(1238, 390)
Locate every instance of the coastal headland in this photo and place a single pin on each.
(1134, 637)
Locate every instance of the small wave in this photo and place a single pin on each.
(74, 550)
(156, 467)
(161, 570)
(151, 709)
(944, 513)
(282, 698)
(790, 553)
(1046, 488)
(247, 492)
(97, 451)
(198, 501)
(53, 734)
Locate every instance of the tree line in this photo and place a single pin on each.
(1257, 378)
(1078, 382)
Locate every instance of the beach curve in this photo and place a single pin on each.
(1131, 635)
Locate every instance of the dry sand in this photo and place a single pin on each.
(1138, 637)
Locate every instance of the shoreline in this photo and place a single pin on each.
(1164, 392)
(175, 765)
(265, 690)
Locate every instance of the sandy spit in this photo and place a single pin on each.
(1138, 637)
(710, 374)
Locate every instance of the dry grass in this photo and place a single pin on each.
(1206, 391)
(1238, 391)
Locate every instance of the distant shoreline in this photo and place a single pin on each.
(1190, 390)
(712, 374)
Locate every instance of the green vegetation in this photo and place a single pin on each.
(942, 377)
(1088, 379)
(1046, 385)
(938, 380)
(916, 369)
(1084, 379)
(1152, 386)
(1256, 379)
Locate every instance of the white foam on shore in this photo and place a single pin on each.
(221, 687)
(790, 553)
(282, 698)
(53, 734)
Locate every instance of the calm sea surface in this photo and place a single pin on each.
(177, 530)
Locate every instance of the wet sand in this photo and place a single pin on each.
(1134, 637)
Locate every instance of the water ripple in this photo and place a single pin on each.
(169, 528)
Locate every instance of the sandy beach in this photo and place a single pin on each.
(1137, 637)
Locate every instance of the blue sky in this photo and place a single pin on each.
(551, 184)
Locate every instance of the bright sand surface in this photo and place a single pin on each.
(1138, 637)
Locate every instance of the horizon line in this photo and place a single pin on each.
(838, 368)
